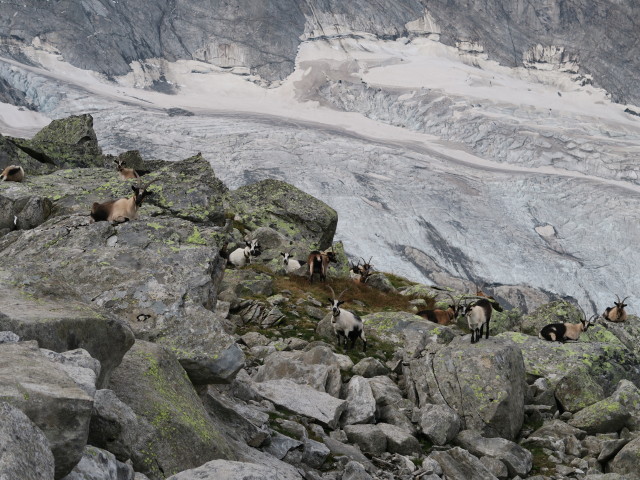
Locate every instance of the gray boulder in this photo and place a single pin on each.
(370, 367)
(483, 382)
(47, 395)
(279, 445)
(79, 365)
(411, 332)
(458, 463)
(399, 440)
(24, 449)
(19, 210)
(303, 400)
(115, 427)
(369, 438)
(578, 389)
(97, 464)
(317, 368)
(605, 416)
(626, 461)
(517, 459)
(60, 323)
(225, 469)
(361, 405)
(355, 471)
(8, 337)
(439, 423)
(353, 453)
(151, 381)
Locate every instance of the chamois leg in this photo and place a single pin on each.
(487, 325)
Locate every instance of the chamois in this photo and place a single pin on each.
(318, 262)
(124, 172)
(346, 325)
(440, 316)
(478, 313)
(290, 265)
(361, 273)
(13, 173)
(123, 209)
(242, 256)
(562, 332)
(616, 314)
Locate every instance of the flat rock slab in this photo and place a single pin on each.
(42, 389)
(517, 459)
(303, 400)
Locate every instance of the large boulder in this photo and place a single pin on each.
(555, 312)
(65, 143)
(161, 276)
(317, 368)
(411, 332)
(361, 405)
(60, 324)
(307, 221)
(49, 397)
(151, 381)
(303, 400)
(606, 363)
(439, 423)
(24, 449)
(483, 382)
(458, 463)
(19, 212)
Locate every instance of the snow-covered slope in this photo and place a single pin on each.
(439, 161)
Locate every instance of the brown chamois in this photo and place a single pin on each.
(440, 316)
(13, 173)
(361, 272)
(616, 314)
(123, 209)
(125, 173)
(318, 262)
(562, 332)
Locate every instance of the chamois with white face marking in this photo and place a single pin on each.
(123, 172)
(563, 332)
(291, 265)
(617, 313)
(242, 256)
(443, 317)
(318, 262)
(346, 325)
(123, 209)
(13, 173)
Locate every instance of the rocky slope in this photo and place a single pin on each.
(130, 351)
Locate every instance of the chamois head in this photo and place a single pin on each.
(287, 256)
(141, 191)
(253, 246)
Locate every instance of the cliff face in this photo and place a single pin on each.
(263, 37)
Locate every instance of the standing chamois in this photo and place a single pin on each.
(318, 262)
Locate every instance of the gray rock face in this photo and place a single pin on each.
(483, 382)
(97, 464)
(161, 276)
(399, 440)
(369, 438)
(151, 381)
(80, 366)
(24, 450)
(303, 400)
(517, 459)
(626, 461)
(49, 397)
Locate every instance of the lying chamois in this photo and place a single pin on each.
(346, 325)
(617, 313)
(360, 273)
(443, 317)
(13, 173)
(123, 209)
(242, 256)
(562, 332)
(318, 262)
(291, 265)
(128, 173)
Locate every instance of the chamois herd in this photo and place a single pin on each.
(347, 326)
